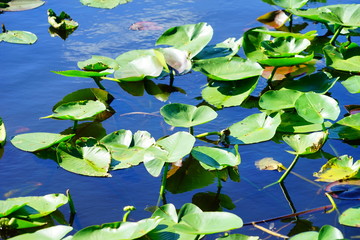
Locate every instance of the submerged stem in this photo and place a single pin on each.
(336, 34)
(163, 184)
(219, 180)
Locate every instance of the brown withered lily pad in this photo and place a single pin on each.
(145, 25)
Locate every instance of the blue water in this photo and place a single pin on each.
(28, 90)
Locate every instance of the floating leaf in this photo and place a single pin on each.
(109, 4)
(83, 74)
(191, 38)
(32, 142)
(19, 37)
(315, 107)
(238, 236)
(326, 232)
(287, 61)
(274, 19)
(346, 60)
(339, 168)
(279, 99)
(252, 43)
(2, 133)
(352, 84)
(290, 4)
(78, 110)
(21, 5)
(285, 46)
(228, 94)
(184, 115)
(145, 25)
(269, 164)
(308, 35)
(228, 48)
(306, 143)
(139, 64)
(98, 64)
(351, 217)
(347, 128)
(88, 158)
(50, 233)
(216, 158)
(226, 69)
(118, 230)
(255, 128)
(62, 22)
(342, 14)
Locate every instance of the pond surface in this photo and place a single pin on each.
(29, 90)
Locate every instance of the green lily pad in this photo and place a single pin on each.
(326, 232)
(21, 5)
(109, 4)
(279, 99)
(290, 4)
(83, 74)
(252, 43)
(191, 38)
(87, 158)
(347, 128)
(228, 48)
(342, 14)
(117, 230)
(2, 133)
(50, 233)
(32, 142)
(226, 69)
(345, 60)
(19, 37)
(98, 64)
(78, 110)
(229, 93)
(255, 128)
(320, 82)
(62, 22)
(339, 168)
(184, 115)
(304, 144)
(9, 206)
(351, 217)
(315, 107)
(308, 35)
(352, 84)
(287, 61)
(139, 64)
(212, 158)
(285, 46)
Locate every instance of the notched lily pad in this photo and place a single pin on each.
(109, 4)
(19, 37)
(20, 5)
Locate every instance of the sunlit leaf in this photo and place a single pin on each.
(326, 232)
(98, 64)
(21, 5)
(285, 46)
(228, 48)
(339, 168)
(315, 107)
(306, 143)
(352, 84)
(308, 35)
(269, 164)
(78, 110)
(229, 93)
(88, 158)
(255, 128)
(279, 99)
(191, 38)
(287, 61)
(351, 217)
(83, 74)
(32, 142)
(226, 69)
(289, 4)
(238, 236)
(347, 128)
(184, 115)
(50, 233)
(109, 4)
(252, 43)
(346, 60)
(62, 22)
(19, 37)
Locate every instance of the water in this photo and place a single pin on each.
(29, 90)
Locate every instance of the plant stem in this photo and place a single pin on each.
(128, 210)
(336, 34)
(287, 197)
(98, 83)
(288, 170)
(333, 204)
(191, 130)
(272, 75)
(71, 202)
(207, 134)
(219, 180)
(291, 22)
(75, 125)
(197, 237)
(163, 183)
(172, 78)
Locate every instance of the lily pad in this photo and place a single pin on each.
(98, 64)
(287, 61)
(19, 37)
(87, 158)
(269, 164)
(347, 128)
(139, 64)
(229, 93)
(285, 46)
(345, 60)
(279, 99)
(339, 168)
(228, 48)
(109, 4)
(83, 74)
(226, 69)
(62, 22)
(326, 232)
(2, 133)
(289, 4)
(308, 35)
(304, 144)
(315, 107)
(255, 128)
(351, 217)
(352, 84)
(216, 158)
(21, 5)
(50, 233)
(78, 110)
(252, 43)
(184, 115)
(32, 142)
(191, 38)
